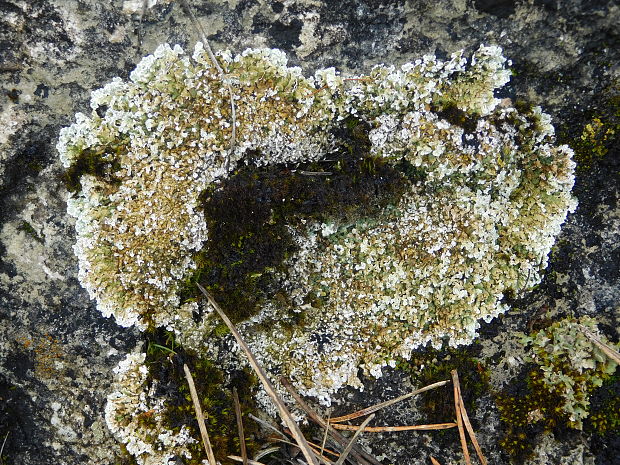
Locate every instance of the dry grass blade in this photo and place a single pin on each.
(199, 416)
(609, 351)
(236, 458)
(347, 450)
(393, 429)
(269, 388)
(459, 417)
(244, 452)
(434, 461)
(374, 408)
(357, 452)
(468, 426)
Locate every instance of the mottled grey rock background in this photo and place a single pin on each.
(57, 353)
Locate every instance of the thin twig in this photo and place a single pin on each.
(468, 426)
(374, 408)
(609, 351)
(393, 429)
(269, 388)
(244, 452)
(347, 450)
(360, 455)
(459, 419)
(199, 416)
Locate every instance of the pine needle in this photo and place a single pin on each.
(434, 461)
(268, 425)
(393, 429)
(199, 416)
(468, 426)
(374, 408)
(244, 452)
(207, 46)
(361, 456)
(269, 388)
(347, 450)
(609, 351)
(459, 418)
(236, 458)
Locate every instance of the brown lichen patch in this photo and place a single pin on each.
(47, 352)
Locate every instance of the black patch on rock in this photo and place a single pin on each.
(282, 35)
(42, 91)
(17, 425)
(499, 8)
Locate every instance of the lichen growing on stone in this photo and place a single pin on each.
(483, 192)
(572, 366)
(136, 416)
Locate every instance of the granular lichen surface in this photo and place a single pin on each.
(484, 191)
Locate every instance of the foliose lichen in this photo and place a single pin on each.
(571, 365)
(484, 193)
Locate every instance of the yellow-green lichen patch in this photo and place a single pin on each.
(599, 134)
(571, 364)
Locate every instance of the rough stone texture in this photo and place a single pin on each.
(57, 352)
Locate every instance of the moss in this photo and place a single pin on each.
(604, 419)
(101, 163)
(526, 408)
(29, 230)
(248, 215)
(125, 458)
(165, 360)
(438, 404)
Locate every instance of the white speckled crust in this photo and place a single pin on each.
(481, 219)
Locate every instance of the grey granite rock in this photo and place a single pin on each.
(57, 352)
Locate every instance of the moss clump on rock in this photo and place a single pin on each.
(431, 366)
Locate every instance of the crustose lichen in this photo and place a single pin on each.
(483, 192)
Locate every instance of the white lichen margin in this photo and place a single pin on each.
(481, 218)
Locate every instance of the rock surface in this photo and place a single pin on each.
(57, 353)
